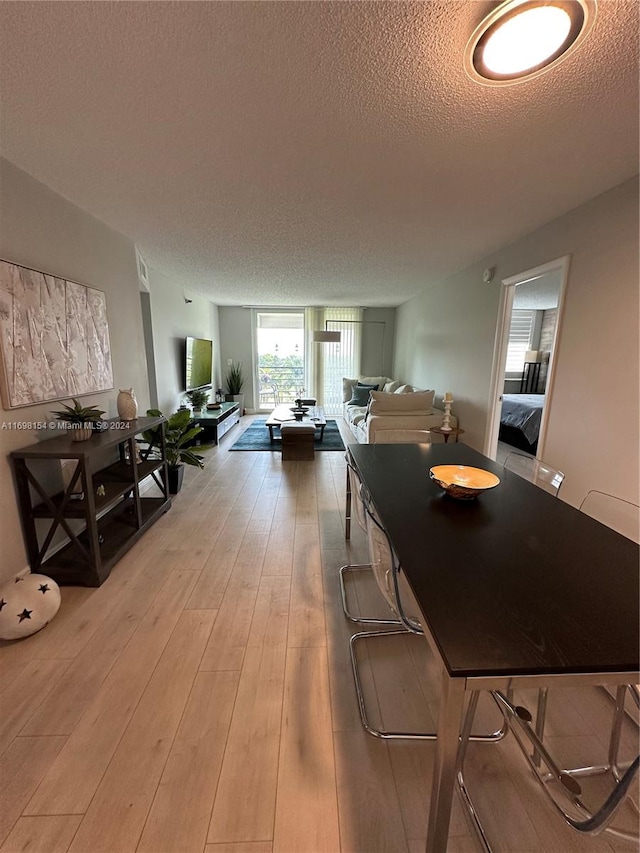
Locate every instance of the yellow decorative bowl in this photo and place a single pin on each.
(463, 481)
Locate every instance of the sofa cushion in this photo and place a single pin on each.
(404, 389)
(400, 404)
(380, 381)
(390, 387)
(360, 394)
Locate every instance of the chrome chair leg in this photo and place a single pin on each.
(343, 593)
(541, 715)
(385, 734)
(588, 822)
(347, 509)
(613, 766)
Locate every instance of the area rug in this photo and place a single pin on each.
(256, 437)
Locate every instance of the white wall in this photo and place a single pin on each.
(173, 320)
(371, 361)
(42, 230)
(236, 336)
(445, 336)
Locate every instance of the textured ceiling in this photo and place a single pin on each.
(309, 152)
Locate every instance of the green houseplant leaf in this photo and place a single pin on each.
(78, 414)
(234, 378)
(198, 398)
(178, 431)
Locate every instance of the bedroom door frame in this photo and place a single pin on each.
(502, 342)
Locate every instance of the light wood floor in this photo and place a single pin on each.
(202, 700)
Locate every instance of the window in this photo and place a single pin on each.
(520, 339)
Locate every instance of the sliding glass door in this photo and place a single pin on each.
(280, 364)
(288, 364)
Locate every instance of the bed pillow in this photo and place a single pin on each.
(361, 394)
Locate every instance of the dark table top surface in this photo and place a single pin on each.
(515, 582)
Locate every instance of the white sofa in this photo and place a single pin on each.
(395, 407)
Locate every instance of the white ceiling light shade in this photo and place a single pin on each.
(521, 39)
(325, 337)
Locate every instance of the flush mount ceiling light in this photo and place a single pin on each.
(521, 39)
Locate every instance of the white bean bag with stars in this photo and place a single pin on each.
(27, 604)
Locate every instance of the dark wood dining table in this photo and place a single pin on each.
(515, 587)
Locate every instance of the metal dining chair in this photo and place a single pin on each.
(535, 471)
(355, 504)
(402, 604)
(622, 516)
(561, 786)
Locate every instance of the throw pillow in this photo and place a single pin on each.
(361, 394)
(404, 389)
(391, 387)
(347, 388)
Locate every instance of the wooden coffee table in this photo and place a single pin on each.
(283, 414)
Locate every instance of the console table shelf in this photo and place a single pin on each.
(112, 512)
(217, 422)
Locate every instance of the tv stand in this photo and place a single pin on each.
(216, 422)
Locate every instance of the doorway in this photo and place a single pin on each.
(525, 354)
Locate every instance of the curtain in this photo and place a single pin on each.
(326, 364)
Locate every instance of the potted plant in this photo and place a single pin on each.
(235, 382)
(179, 431)
(82, 420)
(198, 399)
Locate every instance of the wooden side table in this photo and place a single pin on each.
(447, 433)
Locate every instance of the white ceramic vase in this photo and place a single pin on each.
(127, 405)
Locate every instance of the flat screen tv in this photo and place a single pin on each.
(198, 363)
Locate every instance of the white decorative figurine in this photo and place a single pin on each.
(27, 603)
(127, 404)
(447, 400)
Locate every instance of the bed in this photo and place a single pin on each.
(520, 420)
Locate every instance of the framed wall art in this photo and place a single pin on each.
(54, 338)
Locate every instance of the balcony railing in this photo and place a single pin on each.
(279, 384)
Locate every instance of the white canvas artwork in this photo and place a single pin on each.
(54, 338)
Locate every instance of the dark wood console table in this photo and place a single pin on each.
(216, 422)
(107, 516)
